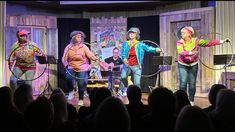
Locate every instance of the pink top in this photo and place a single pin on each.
(76, 57)
(188, 52)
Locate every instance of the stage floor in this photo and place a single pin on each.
(200, 100)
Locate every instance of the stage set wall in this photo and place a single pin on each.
(217, 22)
(19, 12)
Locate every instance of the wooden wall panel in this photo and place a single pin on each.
(31, 20)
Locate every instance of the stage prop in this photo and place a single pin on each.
(227, 61)
(164, 63)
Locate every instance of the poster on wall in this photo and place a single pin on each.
(107, 33)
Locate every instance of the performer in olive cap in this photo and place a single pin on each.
(132, 54)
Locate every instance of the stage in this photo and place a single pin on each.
(201, 100)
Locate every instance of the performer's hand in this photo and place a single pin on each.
(111, 65)
(159, 50)
(126, 62)
(227, 40)
(195, 52)
(10, 66)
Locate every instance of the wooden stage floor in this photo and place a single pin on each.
(201, 100)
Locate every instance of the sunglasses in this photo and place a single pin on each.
(23, 35)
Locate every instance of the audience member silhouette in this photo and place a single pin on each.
(72, 111)
(112, 115)
(181, 100)
(39, 115)
(60, 109)
(23, 95)
(212, 96)
(135, 107)
(193, 118)
(162, 105)
(87, 122)
(223, 116)
(10, 118)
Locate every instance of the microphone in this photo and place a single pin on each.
(227, 40)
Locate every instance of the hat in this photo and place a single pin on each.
(189, 29)
(77, 32)
(23, 32)
(134, 29)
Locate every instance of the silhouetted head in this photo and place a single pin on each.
(214, 91)
(193, 118)
(181, 99)
(134, 94)
(162, 100)
(112, 115)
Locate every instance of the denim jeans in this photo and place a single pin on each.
(188, 76)
(81, 83)
(113, 76)
(136, 70)
(29, 75)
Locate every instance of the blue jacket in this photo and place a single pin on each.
(140, 48)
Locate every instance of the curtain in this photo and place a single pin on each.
(2, 43)
(225, 17)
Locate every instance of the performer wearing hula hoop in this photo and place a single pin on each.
(75, 59)
(188, 47)
(132, 54)
(23, 57)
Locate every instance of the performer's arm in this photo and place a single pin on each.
(12, 58)
(207, 43)
(89, 54)
(181, 50)
(65, 57)
(124, 54)
(151, 48)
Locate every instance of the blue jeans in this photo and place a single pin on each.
(188, 76)
(136, 70)
(29, 75)
(112, 76)
(81, 83)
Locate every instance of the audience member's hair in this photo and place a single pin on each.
(134, 94)
(39, 114)
(162, 100)
(100, 95)
(60, 108)
(112, 115)
(193, 118)
(57, 90)
(223, 116)
(181, 100)
(23, 96)
(6, 98)
(10, 118)
(214, 91)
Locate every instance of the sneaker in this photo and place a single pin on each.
(124, 91)
(192, 103)
(124, 94)
(80, 102)
(85, 94)
(119, 93)
(71, 95)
